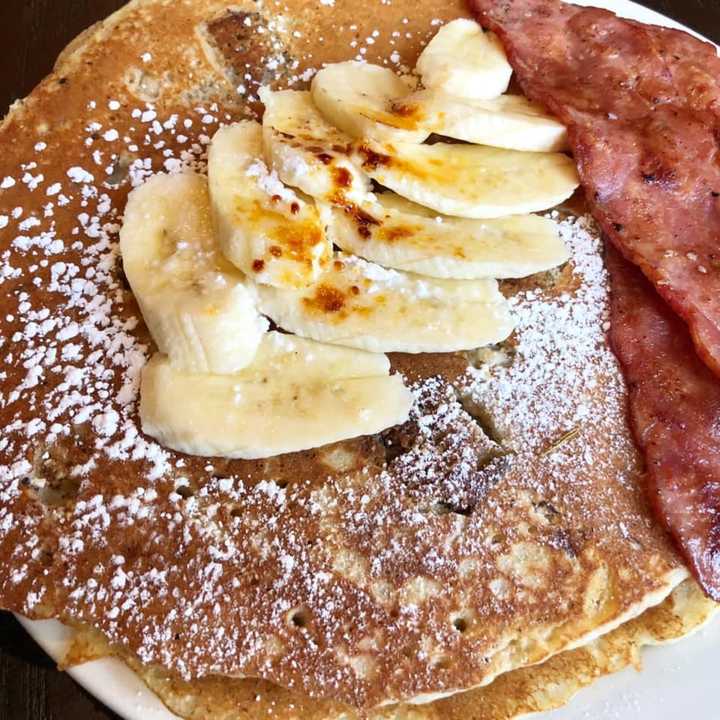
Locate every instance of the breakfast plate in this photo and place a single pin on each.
(218, 386)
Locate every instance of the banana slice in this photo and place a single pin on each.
(509, 121)
(464, 61)
(298, 394)
(306, 151)
(357, 98)
(444, 247)
(197, 306)
(362, 305)
(264, 228)
(469, 180)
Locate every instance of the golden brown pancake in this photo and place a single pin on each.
(528, 690)
(502, 525)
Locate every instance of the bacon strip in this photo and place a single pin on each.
(642, 105)
(675, 414)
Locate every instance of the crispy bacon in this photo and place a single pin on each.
(642, 105)
(675, 415)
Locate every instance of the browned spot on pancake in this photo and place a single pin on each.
(241, 49)
(324, 158)
(450, 366)
(258, 265)
(275, 251)
(399, 440)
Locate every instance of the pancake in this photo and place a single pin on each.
(502, 525)
(528, 690)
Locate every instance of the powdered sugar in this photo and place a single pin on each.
(558, 374)
(72, 347)
(80, 175)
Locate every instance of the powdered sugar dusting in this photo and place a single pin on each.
(74, 344)
(558, 373)
(396, 526)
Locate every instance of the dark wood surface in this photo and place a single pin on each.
(32, 33)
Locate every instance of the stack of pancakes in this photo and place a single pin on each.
(485, 560)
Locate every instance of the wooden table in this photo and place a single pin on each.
(32, 33)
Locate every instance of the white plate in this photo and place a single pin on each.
(677, 681)
(110, 681)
